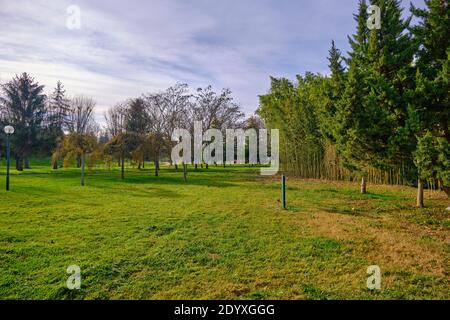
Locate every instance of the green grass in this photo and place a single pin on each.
(221, 235)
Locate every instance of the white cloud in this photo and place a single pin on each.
(125, 48)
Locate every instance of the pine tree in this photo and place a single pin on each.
(349, 107)
(391, 77)
(358, 127)
(56, 118)
(59, 104)
(431, 107)
(24, 107)
(137, 125)
(332, 90)
(359, 41)
(348, 127)
(374, 107)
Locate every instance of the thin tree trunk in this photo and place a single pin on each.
(78, 161)
(196, 166)
(123, 167)
(363, 185)
(82, 169)
(27, 163)
(444, 188)
(420, 193)
(176, 167)
(19, 163)
(55, 165)
(185, 172)
(156, 168)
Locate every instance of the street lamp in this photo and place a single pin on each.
(9, 130)
(124, 132)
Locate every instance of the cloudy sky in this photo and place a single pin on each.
(126, 48)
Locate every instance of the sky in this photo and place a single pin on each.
(123, 49)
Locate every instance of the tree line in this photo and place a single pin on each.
(382, 114)
(138, 129)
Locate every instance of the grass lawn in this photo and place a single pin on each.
(221, 235)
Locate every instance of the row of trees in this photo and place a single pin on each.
(39, 120)
(142, 128)
(138, 129)
(383, 113)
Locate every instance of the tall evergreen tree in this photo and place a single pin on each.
(332, 90)
(136, 119)
(56, 119)
(24, 107)
(372, 113)
(359, 41)
(348, 125)
(59, 105)
(391, 78)
(137, 125)
(431, 107)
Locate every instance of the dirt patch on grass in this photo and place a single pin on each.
(393, 244)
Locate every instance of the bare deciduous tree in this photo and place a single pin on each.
(80, 113)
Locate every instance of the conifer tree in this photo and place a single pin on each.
(56, 118)
(332, 90)
(373, 110)
(431, 107)
(348, 127)
(359, 41)
(24, 106)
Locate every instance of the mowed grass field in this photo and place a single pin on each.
(221, 235)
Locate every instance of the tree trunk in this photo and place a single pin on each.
(420, 193)
(176, 167)
(156, 168)
(196, 166)
(444, 188)
(82, 169)
(19, 163)
(27, 163)
(207, 167)
(363, 185)
(185, 172)
(55, 165)
(78, 161)
(122, 176)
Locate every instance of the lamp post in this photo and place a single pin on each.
(9, 130)
(124, 132)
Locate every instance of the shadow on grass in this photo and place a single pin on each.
(174, 180)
